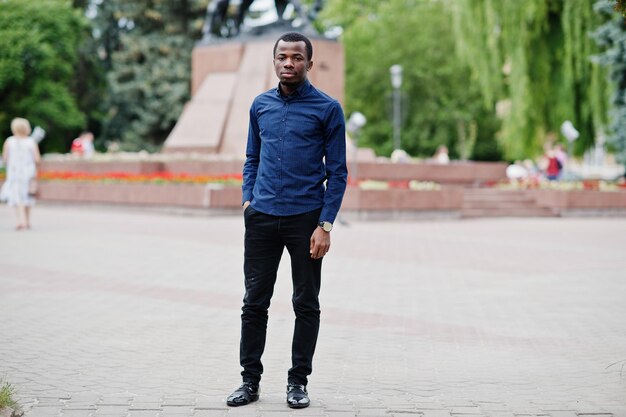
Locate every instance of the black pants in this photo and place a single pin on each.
(265, 239)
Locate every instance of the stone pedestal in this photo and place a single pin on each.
(225, 79)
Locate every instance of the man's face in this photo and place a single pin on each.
(291, 63)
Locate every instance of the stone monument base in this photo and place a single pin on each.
(225, 79)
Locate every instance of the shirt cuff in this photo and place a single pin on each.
(327, 216)
(246, 196)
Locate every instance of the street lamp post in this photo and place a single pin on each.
(396, 82)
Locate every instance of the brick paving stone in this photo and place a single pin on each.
(465, 410)
(428, 317)
(591, 410)
(617, 412)
(594, 414)
(177, 409)
(79, 407)
(97, 413)
(210, 413)
(143, 413)
(372, 411)
(243, 412)
(210, 405)
(144, 399)
(145, 406)
(309, 411)
(49, 402)
(491, 406)
(114, 401)
(339, 408)
(111, 409)
(43, 413)
(175, 414)
(334, 413)
(436, 413)
(471, 413)
(77, 413)
(428, 406)
(178, 401)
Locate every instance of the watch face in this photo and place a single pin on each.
(327, 226)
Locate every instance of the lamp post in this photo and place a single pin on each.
(396, 82)
(356, 121)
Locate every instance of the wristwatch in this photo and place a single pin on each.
(326, 226)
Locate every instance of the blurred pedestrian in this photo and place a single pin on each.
(21, 157)
(441, 155)
(560, 154)
(87, 142)
(553, 165)
(82, 146)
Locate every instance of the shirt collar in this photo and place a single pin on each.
(300, 91)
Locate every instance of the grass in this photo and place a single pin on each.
(7, 391)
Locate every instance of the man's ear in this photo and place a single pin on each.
(310, 66)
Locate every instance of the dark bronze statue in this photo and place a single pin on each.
(220, 23)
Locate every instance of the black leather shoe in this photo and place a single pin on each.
(297, 397)
(245, 394)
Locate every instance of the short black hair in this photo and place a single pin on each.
(296, 37)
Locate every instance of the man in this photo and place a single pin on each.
(296, 142)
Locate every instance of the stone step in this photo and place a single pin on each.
(508, 212)
(499, 204)
(498, 197)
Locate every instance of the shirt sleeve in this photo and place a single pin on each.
(336, 168)
(253, 150)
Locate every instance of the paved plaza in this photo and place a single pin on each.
(133, 312)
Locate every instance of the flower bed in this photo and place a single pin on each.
(377, 197)
(535, 184)
(155, 178)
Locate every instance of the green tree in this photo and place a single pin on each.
(611, 36)
(39, 52)
(620, 5)
(147, 44)
(442, 104)
(532, 59)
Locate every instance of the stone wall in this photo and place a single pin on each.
(393, 202)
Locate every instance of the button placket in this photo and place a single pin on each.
(282, 129)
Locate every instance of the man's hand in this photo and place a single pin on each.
(320, 243)
(245, 205)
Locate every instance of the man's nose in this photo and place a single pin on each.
(288, 63)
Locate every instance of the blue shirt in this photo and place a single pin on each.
(295, 144)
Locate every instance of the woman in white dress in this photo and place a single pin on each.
(21, 157)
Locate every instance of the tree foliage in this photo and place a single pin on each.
(39, 56)
(441, 104)
(611, 36)
(620, 6)
(147, 46)
(532, 58)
